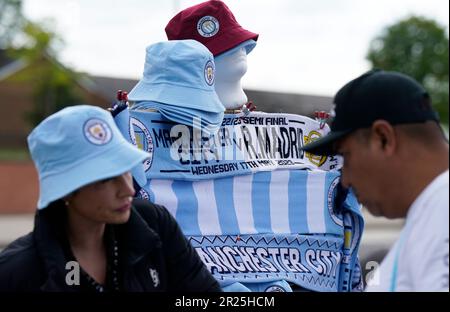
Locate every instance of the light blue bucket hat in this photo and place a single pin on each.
(179, 73)
(249, 45)
(77, 146)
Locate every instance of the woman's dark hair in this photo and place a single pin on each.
(56, 214)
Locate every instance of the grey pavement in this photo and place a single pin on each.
(13, 226)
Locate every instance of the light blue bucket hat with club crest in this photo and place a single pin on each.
(179, 73)
(77, 146)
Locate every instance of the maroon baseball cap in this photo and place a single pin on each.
(211, 23)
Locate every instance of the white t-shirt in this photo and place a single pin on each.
(418, 261)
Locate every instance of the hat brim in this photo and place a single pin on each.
(118, 159)
(248, 45)
(230, 39)
(325, 146)
(177, 95)
(204, 116)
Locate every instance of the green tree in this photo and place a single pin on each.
(416, 46)
(11, 21)
(54, 84)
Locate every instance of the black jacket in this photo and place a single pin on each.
(152, 245)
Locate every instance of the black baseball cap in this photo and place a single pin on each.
(377, 94)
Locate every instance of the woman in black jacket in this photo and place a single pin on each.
(89, 235)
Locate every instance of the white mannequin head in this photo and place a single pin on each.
(231, 66)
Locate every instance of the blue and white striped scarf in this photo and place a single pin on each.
(278, 202)
(264, 211)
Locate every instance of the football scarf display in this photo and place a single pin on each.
(264, 223)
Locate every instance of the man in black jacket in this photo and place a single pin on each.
(89, 235)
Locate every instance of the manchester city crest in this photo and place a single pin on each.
(209, 73)
(208, 26)
(97, 131)
(143, 140)
(336, 216)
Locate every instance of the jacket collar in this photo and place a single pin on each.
(138, 237)
(48, 233)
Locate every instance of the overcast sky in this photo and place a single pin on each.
(305, 46)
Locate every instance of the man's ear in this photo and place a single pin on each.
(383, 136)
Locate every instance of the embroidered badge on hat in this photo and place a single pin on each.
(207, 26)
(97, 131)
(209, 73)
